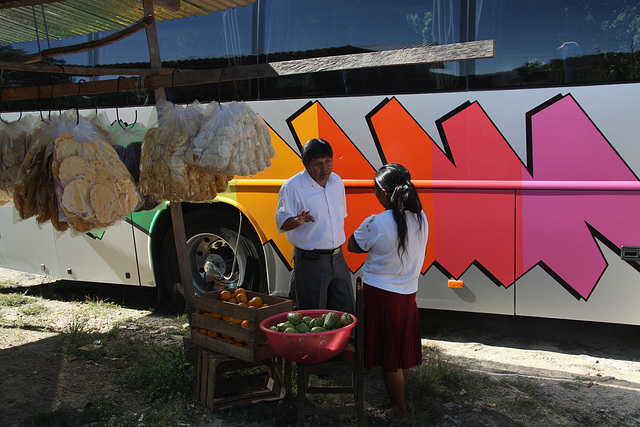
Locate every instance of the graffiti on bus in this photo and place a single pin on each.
(505, 232)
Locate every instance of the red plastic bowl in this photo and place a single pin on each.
(307, 347)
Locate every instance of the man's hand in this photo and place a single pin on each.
(297, 221)
(305, 216)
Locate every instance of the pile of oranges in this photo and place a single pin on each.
(239, 297)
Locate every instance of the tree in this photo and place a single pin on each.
(421, 25)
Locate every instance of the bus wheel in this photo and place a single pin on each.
(218, 259)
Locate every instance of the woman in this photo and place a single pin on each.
(396, 242)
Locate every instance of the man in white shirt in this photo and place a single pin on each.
(311, 210)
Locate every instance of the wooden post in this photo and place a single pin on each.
(177, 218)
(154, 47)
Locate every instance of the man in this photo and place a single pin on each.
(311, 210)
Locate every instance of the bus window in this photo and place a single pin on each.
(549, 42)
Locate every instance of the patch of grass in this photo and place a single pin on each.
(49, 291)
(526, 401)
(14, 299)
(98, 304)
(160, 372)
(4, 284)
(436, 377)
(36, 309)
(154, 374)
(125, 410)
(75, 333)
(438, 380)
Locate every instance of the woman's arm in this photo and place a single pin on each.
(352, 246)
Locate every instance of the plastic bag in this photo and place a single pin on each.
(163, 173)
(34, 189)
(167, 170)
(101, 122)
(93, 186)
(233, 141)
(181, 119)
(14, 144)
(127, 141)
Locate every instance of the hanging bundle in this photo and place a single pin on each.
(94, 188)
(34, 187)
(233, 141)
(185, 120)
(101, 122)
(166, 168)
(72, 177)
(14, 141)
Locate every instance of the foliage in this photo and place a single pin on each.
(35, 309)
(421, 25)
(14, 299)
(161, 372)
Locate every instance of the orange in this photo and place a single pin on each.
(225, 295)
(216, 316)
(226, 318)
(245, 324)
(236, 321)
(241, 297)
(256, 302)
(213, 333)
(202, 331)
(243, 304)
(233, 301)
(239, 291)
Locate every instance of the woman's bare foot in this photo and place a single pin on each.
(396, 414)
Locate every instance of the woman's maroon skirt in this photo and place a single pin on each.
(392, 330)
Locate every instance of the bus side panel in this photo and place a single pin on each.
(278, 271)
(478, 293)
(25, 245)
(508, 255)
(107, 257)
(143, 252)
(614, 300)
(580, 276)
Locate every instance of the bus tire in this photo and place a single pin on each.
(212, 236)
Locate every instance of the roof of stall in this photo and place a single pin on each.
(28, 20)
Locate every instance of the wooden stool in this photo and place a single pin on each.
(345, 363)
(217, 390)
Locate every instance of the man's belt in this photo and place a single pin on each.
(316, 252)
(328, 251)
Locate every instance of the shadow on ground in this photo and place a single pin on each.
(573, 337)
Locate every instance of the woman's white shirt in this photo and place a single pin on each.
(384, 267)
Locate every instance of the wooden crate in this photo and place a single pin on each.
(256, 348)
(219, 386)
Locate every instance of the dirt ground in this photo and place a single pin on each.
(589, 373)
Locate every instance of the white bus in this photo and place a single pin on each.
(527, 163)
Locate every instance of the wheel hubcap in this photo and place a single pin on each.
(212, 263)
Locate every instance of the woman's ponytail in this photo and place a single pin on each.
(395, 179)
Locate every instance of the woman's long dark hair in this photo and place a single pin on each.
(395, 179)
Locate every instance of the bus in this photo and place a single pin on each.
(526, 163)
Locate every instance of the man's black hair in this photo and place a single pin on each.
(315, 148)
